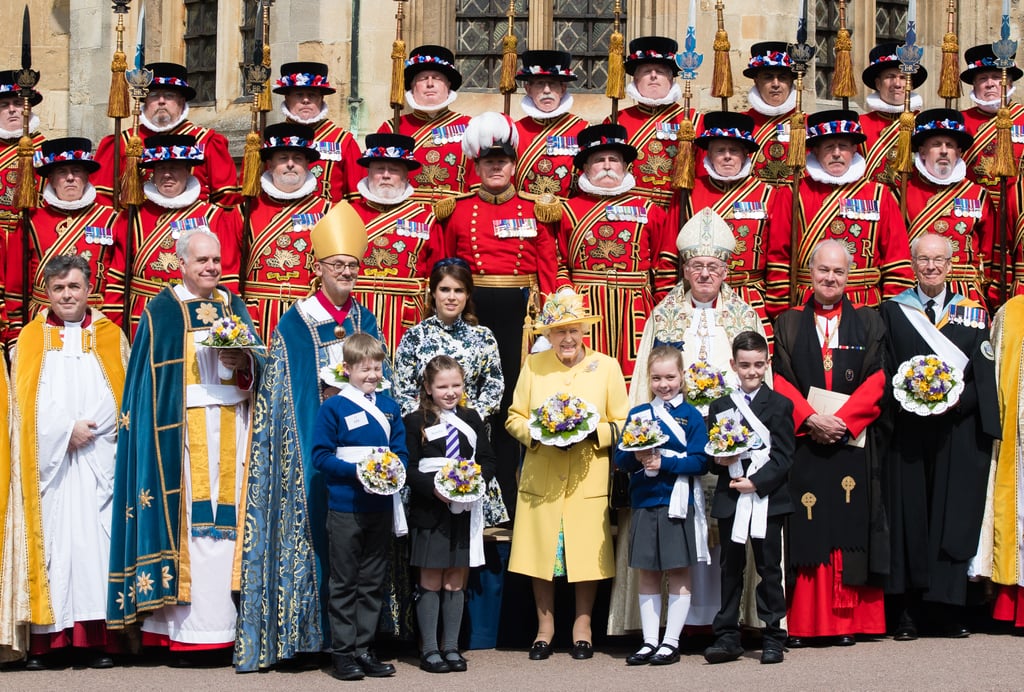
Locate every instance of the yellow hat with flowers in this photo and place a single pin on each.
(561, 309)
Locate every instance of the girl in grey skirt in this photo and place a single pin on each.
(668, 532)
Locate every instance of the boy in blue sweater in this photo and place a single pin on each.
(349, 427)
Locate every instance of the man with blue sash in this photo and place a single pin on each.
(937, 467)
(283, 596)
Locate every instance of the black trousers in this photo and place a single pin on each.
(771, 598)
(360, 545)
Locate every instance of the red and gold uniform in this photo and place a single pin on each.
(862, 215)
(772, 136)
(882, 131)
(445, 171)
(9, 215)
(217, 173)
(336, 172)
(980, 155)
(94, 232)
(963, 213)
(403, 242)
(620, 251)
(546, 148)
(279, 270)
(155, 264)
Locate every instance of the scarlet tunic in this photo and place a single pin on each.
(654, 133)
(403, 242)
(771, 132)
(963, 213)
(620, 252)
(882, 131)
(979, 157)
(445, 171)
(745, 206)
(546, 149)
(864, 216)
(279, 270)
(155, 264)
(9, 215)
(337, 171)
(217, 174)
(94, 232)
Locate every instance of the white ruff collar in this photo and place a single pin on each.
(759, 105)
(958, 174)
(364, 189)
(628, 183)
(744, 171)
(33, 126)
(854, 173)
(530, 108)
(411, 102)
(305, 190)
(87, 198)
(990, 106)
(875, 103)
(144, 121)
(320, 117)
(185, 199)
(673, 95)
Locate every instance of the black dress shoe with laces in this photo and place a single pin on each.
(723, 651)
(100, 661)
(772, 655)
(641, 656)
(905, 634)
(540, 651)
(582, 650)
(346, 668)
(374, 668)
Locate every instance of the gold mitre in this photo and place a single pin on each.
(706, 235)
(339, 232)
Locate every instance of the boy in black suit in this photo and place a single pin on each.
(752, 499)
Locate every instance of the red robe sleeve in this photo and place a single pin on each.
(547, 258)
(664, 258)
(863, 407)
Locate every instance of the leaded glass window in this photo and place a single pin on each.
(584, 28)
(251, 28)
(480, 26)
(826, 16)
(201, 47)
(890, 21)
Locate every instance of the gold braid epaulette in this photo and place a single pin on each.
(445, 207)
(546, 206)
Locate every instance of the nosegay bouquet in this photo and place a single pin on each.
(927, 385)
(703, 383)
(460, 480)
(563, 420)
(381, 472)
(231, 332)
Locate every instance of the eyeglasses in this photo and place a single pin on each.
(340, 267)
(937, 261)
(712, 268)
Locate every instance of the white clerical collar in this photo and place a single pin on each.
(701, 305)
(854, 173)
(744, 172)
(411, 102)
(530, 108)
(875, 103)
(183, 293)
(145, 122)
(627, 183)
(305, 190)
(315, 120)
(759, 105)
(940, 299)
(185, 199)
(364, 189)
(673, 95)
(33, 126)
(87, 198)
(958, 174)
(991, 106)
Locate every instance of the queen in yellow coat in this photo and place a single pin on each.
(562, 526)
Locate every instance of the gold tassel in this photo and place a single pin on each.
(721, 81)
(843, 84)
(263, 102)
(251, 165)
(131, 181)
(507, 85)
(616, 87)
(547, 208)
(1003, 163)
(904, 155)
(797, 155)
(684, 163)
(949, 77)
(397, 74)
(25, 196)
(444, 207)
(118, 105)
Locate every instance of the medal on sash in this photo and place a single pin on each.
(782, 132)
(863, 209)
(412, 229)
(303, 223)
(192, 223)
(515, 228)
(99, 235)
(967, 208)
(562, 145)
(329, 151)
(748, 210)
(1017, 134)
(668, 131)
(447, 134)
(631, 213)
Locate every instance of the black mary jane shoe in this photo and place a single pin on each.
(438, 666)
(666, 659)
(455, 661)
(582, 650)
(540, 651)
(641, 656)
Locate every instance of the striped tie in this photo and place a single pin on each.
(451, 445)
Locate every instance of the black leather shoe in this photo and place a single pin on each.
(659, 659)
(582, 650)
(100, 661)
(374, 668)
(34, 663)
(540, 651)
(772, 655)
(641, 656)
(455, 661)
(905, 634)
(956, 631)
(796, 643)
(346, 668)
(723, 651)
(845, 640)
(438, 665)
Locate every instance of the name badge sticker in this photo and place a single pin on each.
(436, 432)
(356, 420)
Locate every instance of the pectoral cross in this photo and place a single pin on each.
(808, 500)
(848, 484)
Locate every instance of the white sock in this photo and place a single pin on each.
(678, 609)
(650, 617)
